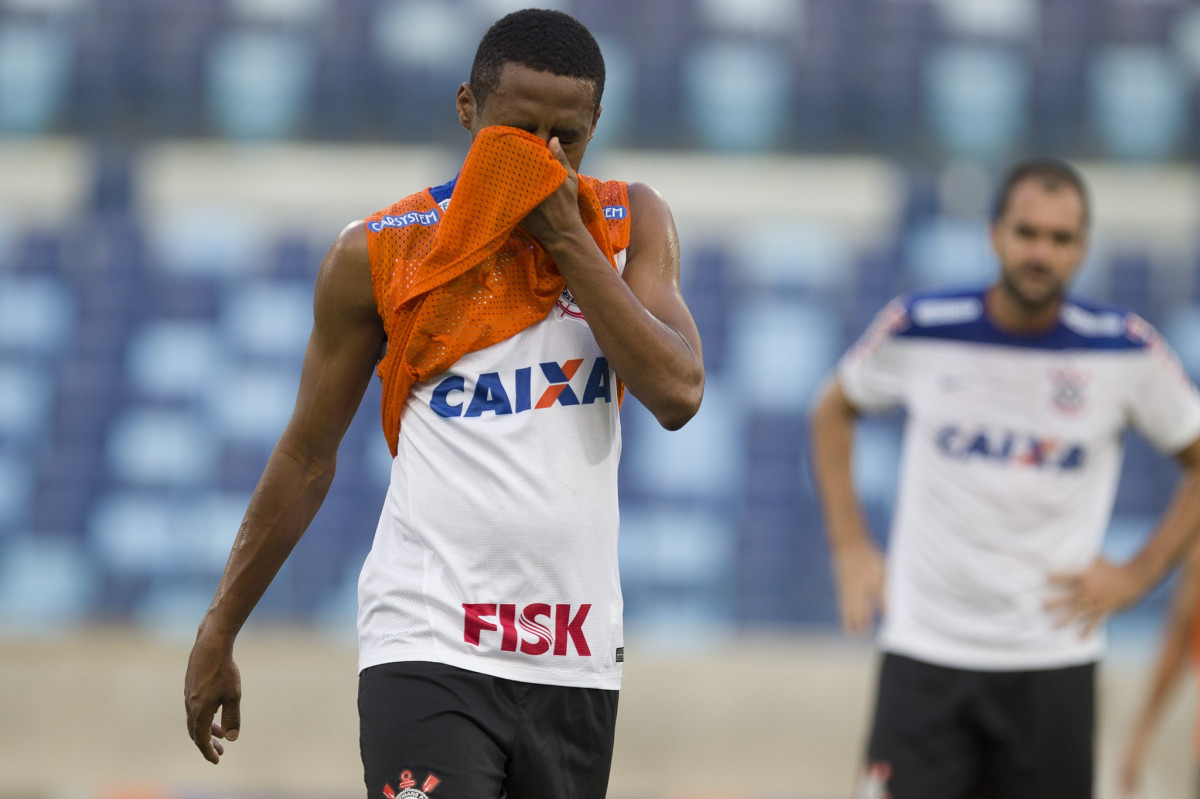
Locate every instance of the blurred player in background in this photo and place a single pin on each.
(1016, 398)
(1179, 643)
(490, 631)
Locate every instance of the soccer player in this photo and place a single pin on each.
(490, 633)
(1016, 398)
(1180, 643)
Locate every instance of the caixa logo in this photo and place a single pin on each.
(1009, 447)
(491, 394)
(527, 633)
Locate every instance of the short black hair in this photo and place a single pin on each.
(1052, 173)
(541, 39)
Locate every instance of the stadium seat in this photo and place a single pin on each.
(16, 488)
(737, 94)
(219, 243)
(37, 314)
(173, 359)
(978, 100)
(26, 392)
(47, 585)
(779, 352)
(162, 448)
(679, 547)
(704, 460)
(35, 77)
(1181, 328)
(268, 319)
(1139, 102)
(944, 251)
(780, 256)
(138, 533)
(253, 404)
(260, 83)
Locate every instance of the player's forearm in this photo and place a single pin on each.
(832, 434)
(1176, 532)
(287, 497)
(655, 360)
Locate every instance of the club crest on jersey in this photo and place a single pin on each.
(406, 788)
(501, 395)
(1067, 387)
(567, 306)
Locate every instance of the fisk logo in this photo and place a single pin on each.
(525, 633)
(451, 398)
(1010, 447)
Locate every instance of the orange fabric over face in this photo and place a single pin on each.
(448, 283)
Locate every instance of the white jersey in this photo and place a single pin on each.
(496, 550)
(1012, 453)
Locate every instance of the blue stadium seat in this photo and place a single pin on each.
(151, 534)
(37, 314)
(213, 242)
(150, 447)
(877, 459)
(797, 256)
(978, 100)
(260, 83)
(26, 394)
(738, 95)
(1139, 102)
(173, 359)
(779, 351)
(268, 319)
(943, 252)
(47, 585)
(1181, 328)
(35, 77)
(16, 488)
(705, 459)
(253, 404)
(669, 547)
(1130, 282)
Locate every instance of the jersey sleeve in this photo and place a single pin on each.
(872, 372)
(1164, 404)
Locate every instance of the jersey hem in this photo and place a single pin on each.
(608, 681)
(995, 659)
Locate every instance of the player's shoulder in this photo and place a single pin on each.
(942, 308)
(1101, 325)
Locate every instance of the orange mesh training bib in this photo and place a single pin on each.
(455, 281)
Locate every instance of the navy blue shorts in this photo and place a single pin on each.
(432, 731)
(963, 734)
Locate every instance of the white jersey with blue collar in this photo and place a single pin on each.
(1012, 453)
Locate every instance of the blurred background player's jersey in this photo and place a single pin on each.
(1012, 453)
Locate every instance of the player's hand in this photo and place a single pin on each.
(1088, 597)
(559, 212)
(212, 682)
(859, 571)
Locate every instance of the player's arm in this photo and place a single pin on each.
(342, 351)
(1091, 595)
(641, 322)
(1177, 638)
(857, 560)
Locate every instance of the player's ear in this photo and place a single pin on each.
(464, 103)
(595, 119)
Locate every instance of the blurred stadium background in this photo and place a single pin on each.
(171, 172)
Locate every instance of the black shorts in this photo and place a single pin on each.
(442, 732)
(943, 733)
